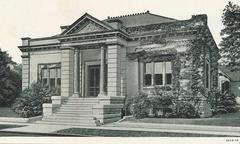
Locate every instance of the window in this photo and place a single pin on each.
(168, 74)
(162, 72)
(225, 87)
(158, 73)
(50, 75)
(148, 74)
(207, 74)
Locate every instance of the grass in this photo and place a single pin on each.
(8, 112)
(127, 133)
(4, 126)
(230, 119)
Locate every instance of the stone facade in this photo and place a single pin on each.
(106, 60)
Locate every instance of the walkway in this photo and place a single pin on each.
(213, 130)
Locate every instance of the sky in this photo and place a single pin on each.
(41, 18)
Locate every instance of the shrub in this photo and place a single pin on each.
(185, 110)
(228, 102)
(161, 101)
(222, 102)
(30, 102)
(139, 105)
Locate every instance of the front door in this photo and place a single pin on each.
(93, 80)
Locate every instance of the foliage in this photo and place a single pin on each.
(30, 102)
(228, 102)
(185, 109)
(139, 105)
(10, 79)
(213, 98)
(231, 36)
(162, 100)
(222, 102)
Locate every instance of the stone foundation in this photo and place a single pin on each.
(109, 109)
(47, 109)
(107, 113)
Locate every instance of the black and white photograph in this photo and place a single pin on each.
(89, 69)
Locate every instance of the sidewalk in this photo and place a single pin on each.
(182, 128)
(146, 127)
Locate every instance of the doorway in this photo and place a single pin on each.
(93, 80)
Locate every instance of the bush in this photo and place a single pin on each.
(222, 103)
(161, 102)
(228, 102)
(139, 105)
(185, 110)
(30, 102)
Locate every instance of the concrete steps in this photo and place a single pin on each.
(75, 111)
(65, 123)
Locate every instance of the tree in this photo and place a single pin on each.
(230, 44)
(10, 79)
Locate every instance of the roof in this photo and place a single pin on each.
(140, 19)
(234, 76)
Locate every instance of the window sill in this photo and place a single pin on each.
(151, 87)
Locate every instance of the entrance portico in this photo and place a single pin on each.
(96, 67)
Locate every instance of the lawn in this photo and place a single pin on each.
(7, 112)
(127, 133)
(231, 119)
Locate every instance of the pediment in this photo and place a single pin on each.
(86, 24)
(90, 26)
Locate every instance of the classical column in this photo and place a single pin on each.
(114, 70)
(102, 72)
(25, 70)
(67, 63)
(76, 74)
(80, 74)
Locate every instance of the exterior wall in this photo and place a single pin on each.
(123, 71)
(132, 78)
(235, 88)
(49, 56)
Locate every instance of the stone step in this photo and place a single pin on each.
(75, 108)
(65, 123)
(83, 100)
(77, 105)
(82, 121)
(89, 118)
(82, 113)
